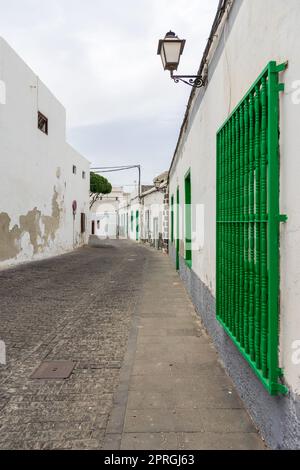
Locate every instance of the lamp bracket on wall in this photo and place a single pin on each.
(195, 81)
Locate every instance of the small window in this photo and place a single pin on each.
(98, 224)
(83, 222)
(74, 170)
(42, 123)
(83, 175)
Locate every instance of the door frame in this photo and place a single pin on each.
(177, 228)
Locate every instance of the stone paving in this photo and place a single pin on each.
(74, 307)
(146, 374)
(179, 396)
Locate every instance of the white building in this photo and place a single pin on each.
(41, 175)
(130, 216)
(143, 216)
(249, 300)
(154, 213)
(106, 220)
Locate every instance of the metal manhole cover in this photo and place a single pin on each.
(54, 370)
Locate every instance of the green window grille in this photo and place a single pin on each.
(248, 227)
(188, 219)
(172, 219)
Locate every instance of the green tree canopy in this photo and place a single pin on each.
(98, 186)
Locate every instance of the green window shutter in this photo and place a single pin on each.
(248, 227)
(172, 219)
(188, 219)
(132, 219)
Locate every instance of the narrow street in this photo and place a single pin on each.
(146, 375)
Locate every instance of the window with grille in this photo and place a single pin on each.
(248, 227)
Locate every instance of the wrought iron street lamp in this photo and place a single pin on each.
(170, 50)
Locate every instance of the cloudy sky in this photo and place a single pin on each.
(99, 58)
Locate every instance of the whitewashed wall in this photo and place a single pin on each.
(262, 31)
(154, 203)
(108, 214)
(133, 208)
(36, 170)
(105, 216)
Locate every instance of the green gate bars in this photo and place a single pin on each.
(248, 221)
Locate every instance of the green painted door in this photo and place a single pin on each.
(137, 216)
(131, 221)
(177, 229)
(188, 220)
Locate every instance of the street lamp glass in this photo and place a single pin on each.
(170, 50)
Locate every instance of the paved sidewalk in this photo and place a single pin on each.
(173, 393)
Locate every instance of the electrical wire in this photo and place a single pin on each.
(109, 171)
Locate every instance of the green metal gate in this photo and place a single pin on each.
(248, 221)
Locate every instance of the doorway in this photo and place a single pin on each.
(137, 216)
(188, 219)
(177, 229)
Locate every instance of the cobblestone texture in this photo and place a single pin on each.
(75, 307)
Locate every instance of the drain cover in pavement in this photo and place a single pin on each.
(54, 370)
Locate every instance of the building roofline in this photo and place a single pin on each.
(222, 7)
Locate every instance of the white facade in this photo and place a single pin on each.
(38, 185)
(145, 218)
(252, 34)
(130, 214)
(152, 216)
(106, 220)
(154, 213)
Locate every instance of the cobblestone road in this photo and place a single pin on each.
(75, 307)
(146, 374)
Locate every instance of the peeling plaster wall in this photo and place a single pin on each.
(36, 170)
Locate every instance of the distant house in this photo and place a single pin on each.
(154, 213)
(143, 215)
(130, 215)
(106, 221)
(44, 190)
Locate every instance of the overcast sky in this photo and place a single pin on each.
(99, 58)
